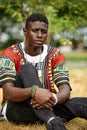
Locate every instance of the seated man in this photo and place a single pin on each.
(29, 72)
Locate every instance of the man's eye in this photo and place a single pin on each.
(34, 30)
(44, 31)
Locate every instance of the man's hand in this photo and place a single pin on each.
(43, 98)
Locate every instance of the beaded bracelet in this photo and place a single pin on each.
(33, 91)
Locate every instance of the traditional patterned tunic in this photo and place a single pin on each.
(50, 64)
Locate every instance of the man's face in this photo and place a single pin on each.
(36, 33)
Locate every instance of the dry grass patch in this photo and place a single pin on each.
(78, 79)
(9, 126)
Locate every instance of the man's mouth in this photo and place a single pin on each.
(38, 41)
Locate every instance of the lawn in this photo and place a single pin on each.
(76, 56)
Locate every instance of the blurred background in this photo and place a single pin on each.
(67, 22)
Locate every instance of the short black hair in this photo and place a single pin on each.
(36, 17)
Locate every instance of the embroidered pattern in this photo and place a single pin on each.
(16, 49)
(61, 75)
(61, 67)
(6, 62)
(7, 70)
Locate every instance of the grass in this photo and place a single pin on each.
(76, 56)
(78, 80)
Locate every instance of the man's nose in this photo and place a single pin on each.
(39, 33)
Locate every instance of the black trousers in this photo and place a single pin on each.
(22, 112)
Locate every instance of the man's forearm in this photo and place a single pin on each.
(63, 94)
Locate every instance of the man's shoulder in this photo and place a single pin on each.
(10, 47)
(14, 46)
(9, 50)
(53, 48)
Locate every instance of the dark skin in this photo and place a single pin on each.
(36, 34)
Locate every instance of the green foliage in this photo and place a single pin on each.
(63, 15)
(65, 41)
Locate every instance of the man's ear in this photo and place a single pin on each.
(24, 30)
(25, 36)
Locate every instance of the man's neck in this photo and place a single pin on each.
(33, 51)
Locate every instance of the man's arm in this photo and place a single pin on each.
(43, 97)
(63, 94)
(15, 94)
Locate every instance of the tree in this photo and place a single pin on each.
(63, 15)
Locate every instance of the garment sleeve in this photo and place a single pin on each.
(61, 74)
(7, 70)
